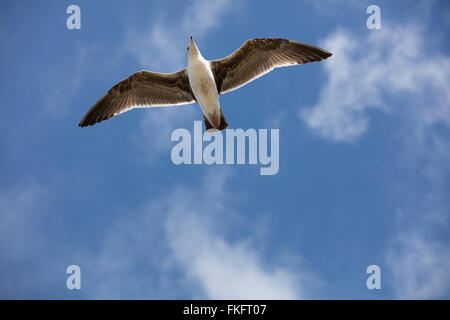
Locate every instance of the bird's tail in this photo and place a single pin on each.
(223, 123)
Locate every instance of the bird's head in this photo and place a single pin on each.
(192, 50)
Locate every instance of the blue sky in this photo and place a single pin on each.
(364, 155)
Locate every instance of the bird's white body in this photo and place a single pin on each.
(203, 85)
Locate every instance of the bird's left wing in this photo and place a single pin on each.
(257, 57)
(142, 89)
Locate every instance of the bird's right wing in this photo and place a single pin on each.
(142, 89)
(257, 57)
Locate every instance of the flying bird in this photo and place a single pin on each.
(202, 81)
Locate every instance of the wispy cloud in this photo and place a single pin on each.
(397, 71)
(23, 208)
(182, 250)
(329, 6)
(419, 266)
(162, 46)
(363, 72)
(18, 215)
(61, 82)
(224, 269)
(419, 254)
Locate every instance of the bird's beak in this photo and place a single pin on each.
(192, 45)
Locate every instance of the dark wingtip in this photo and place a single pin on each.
(324, 54)
(82, 124)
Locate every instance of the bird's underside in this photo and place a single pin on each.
(253, 59)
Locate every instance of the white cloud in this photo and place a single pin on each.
(420, 267)
(397, 71)
(392, 63)
(225, 270)
(181, 233)
(177, 245)
(419, 254)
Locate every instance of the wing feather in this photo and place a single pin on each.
(142, 89)
(257, 57)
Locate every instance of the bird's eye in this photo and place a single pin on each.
(188, 48)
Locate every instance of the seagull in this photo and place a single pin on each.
(202, 81)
